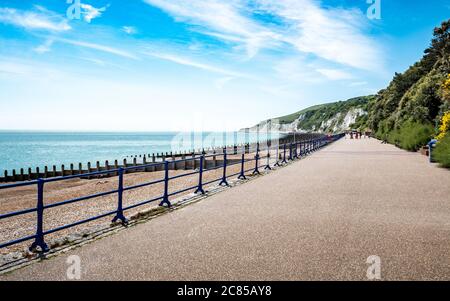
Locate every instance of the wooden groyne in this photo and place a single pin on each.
(144, 159)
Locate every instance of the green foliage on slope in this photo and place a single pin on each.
(313, 118)
(409, 109)
(442, 152)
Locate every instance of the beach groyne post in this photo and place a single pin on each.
(89, 169)
(194, 162)
(183, 157)
(284, 154)
(125, 164)
(174, 164)
(224, 175)
(97, 166)
(144, 162)
(116, 167)
(200, 177)
(39, 240)
(119, 214)
(214, 158)
(80, 168)
(165, 199)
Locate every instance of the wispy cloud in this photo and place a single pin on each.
(90, 12)
(334, 74)
(332, 34)
(28, 70)
(41, 19)
(94, 60)
(129, 29)
(99, 47)
(222, 19)
(45, 47)
(191, 63)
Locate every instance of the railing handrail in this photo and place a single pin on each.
(306, 147)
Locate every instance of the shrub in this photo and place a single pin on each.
(442, 152)
(445, 126)
(416, 135)
(411, 135)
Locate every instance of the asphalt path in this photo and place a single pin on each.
(319, 218)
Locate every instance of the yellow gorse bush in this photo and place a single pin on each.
(445, 126)
(446, 88)
(446, 84)
(445, 121)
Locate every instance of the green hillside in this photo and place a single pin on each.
(410, 111)
(330, 117)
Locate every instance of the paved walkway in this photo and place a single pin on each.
(317, 219)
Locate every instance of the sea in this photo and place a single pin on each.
(24, 149)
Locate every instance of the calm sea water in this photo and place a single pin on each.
(39, 149)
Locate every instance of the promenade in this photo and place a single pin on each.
(319, 218)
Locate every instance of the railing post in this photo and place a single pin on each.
(284, 154)
(268, 158)
(224, 175)
(256, 171)
(39, 240)
(277, 163)
(119, 214)
(200, 177)
(242, 174)
(165, 199)
(290, 152)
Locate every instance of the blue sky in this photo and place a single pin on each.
(152, 65)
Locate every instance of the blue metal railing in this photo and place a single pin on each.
(289, 151)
